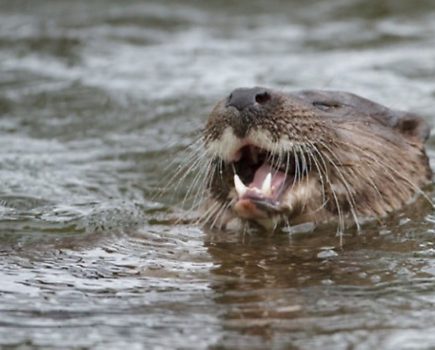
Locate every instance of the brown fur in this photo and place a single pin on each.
(366, 160)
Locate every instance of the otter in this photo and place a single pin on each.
(280, 159)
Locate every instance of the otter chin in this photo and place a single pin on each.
(281, 159)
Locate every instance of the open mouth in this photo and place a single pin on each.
(261, 179)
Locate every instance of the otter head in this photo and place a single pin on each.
(310, 156)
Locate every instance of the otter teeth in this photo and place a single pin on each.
(240, 187)
(266, 187)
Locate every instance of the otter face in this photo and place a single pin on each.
(312, 156)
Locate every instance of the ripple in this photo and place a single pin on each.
(98, 100)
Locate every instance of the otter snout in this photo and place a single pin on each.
(244, 107)
(248, 97)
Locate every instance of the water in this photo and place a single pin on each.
(97, 98)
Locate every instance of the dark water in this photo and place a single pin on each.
(98, 97)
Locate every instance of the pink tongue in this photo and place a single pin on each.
(278, 178)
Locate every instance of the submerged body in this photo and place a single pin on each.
(312, 156)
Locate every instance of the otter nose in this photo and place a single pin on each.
(245, 97)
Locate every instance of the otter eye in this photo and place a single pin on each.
(326, 105)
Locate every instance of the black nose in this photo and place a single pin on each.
(245, 97)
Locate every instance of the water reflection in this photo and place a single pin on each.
(275, 287)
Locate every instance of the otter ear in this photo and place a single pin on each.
(413, 126)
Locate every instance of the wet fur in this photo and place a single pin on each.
(366, 160)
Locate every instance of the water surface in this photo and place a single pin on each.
(98, 98)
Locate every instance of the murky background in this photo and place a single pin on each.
(98, 97)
